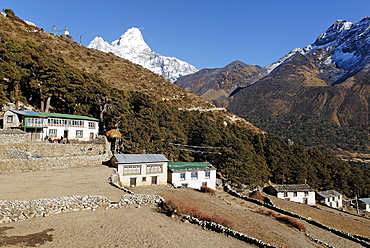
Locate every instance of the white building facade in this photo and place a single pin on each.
(301, 193)
(41, 125)
(192, 174)
(330, 198)
(141, 169)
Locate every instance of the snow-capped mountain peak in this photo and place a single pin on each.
(332, 32)
(132, 38)
(131, 46)
(341, 50)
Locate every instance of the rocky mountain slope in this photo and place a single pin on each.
(216, 84)
(131, 46)
(317, 95)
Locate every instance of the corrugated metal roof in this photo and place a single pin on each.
(68, 116)
(27, 113)
(139, 158)
(176, 166)
(292, 187)
(328, 193)
(365, 200)
(54, 115)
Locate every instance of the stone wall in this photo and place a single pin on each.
(18, 154)
(11, 211)
(46, 149)
(50, 163)
(12, 136)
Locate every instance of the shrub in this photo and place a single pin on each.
(179, 207)
(206, 189)
(289, 220)
(257, 195)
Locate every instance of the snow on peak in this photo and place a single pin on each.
(131, 46)
(132, 38)
(333, 31)
(344, 44)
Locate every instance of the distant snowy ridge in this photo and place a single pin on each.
(344, 45)
(131, 46)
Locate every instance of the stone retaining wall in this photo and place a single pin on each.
(8, 137)
(22, 210)
(46, 149)
(50, 163)
(11, 211)
(18, 154)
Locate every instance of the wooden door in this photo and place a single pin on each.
(133, 182)
(154, 180)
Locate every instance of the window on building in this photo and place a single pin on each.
(285, 194)
(144, 179)
(295, 193)
(154, 168)
(194, 175)
(92, 125)
(131, 169)
(79, 133)
(52, 132)
(36, 121)
(9, 119)
(182, 176)
(306, 193)
(207, 174)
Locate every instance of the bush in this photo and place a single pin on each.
(179, 207)
(286, 219)
(206, 189)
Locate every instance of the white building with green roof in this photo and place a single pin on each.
(192, 174)
(39, 125)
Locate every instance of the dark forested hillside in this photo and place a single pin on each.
(31, 74)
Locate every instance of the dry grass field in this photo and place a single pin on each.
(148, 227)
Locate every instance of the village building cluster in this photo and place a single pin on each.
(151, 169)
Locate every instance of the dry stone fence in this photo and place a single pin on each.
(19, 154)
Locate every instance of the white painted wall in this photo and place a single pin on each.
(161, 177)
(299, 197)
(176, 181)
(72, 131)
(337, 202)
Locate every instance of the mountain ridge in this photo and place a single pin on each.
(326, 81)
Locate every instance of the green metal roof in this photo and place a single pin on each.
(189, 165)
(68, 116)
(53, 115)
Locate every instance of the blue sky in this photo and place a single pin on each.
(205, 33)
